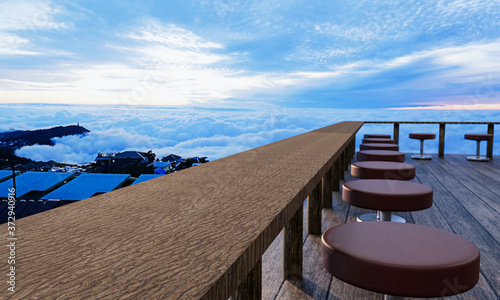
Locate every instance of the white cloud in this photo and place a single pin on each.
(215, 133)
(21, 16)
(30, 14)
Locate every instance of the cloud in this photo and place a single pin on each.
(215, 52)
(21, 19)
(218, 133)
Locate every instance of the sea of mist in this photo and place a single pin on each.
(219, 132)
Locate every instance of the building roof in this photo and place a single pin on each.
(5, 173)
(87, 185)
(131, 155)
(33, 181)
(146, 177)
(171, 158)
(161, 164)
(26, 208)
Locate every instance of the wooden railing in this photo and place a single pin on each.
(489, 147)
(199, 233)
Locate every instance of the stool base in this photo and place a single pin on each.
(477, 158)
(389, 297)
(422, 156)
(376, 217)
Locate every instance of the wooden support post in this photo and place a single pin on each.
(441, 139)
(353, 149)
(327, 189)
(396, 133)
(336, 172)
(251, 287)
(489, 147)
(292, 247)
(347, 160)
(314, 211)
(341, 166)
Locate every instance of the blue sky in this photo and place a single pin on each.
(241, 53)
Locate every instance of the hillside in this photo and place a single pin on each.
(20, 138)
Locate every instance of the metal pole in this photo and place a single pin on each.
(14, 180)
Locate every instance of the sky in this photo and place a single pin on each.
(245, 54)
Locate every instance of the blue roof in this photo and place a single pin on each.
(26, 208)
(146, 177)
(33, 181)
(5, 174)
(87, 185)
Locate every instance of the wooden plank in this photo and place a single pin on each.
(483, 187)
(292, 247)
(336, 175)
(314, 211)
(341, 166)
(327, 189)
(251, 287)
(192, 234)
(396, 133)
(487, 217)
(464, 224)
(489, 145)
(441, 139)
(314, 286)
(479, 172)
(272, 274)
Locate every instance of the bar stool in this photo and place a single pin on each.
(391, 147)
(422, 137)
(386, 196)
(380, 155)
(377, 136)
(377, 141)
(382, 170)
(478, 138)
(400, 260)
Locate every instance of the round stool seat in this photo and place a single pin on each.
(479, 137)
(422, 136)
(380, 155)
(382, 170)
(377, 141)
(405, 260)
(387, 195)
(379, 146)
(377, 136)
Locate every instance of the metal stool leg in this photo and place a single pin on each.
(421, 156)
(389, 297)
(478, 157)
(386, 216)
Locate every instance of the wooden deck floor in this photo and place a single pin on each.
(466, 202)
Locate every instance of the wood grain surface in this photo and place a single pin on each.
(188, 235)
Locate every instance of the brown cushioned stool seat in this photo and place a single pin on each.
(422, 137)
(377, 141)
(379, 146)
(377, 136)
(478, 138)
(382, 170)
(380, 155)
(405, 260)
(386, 196)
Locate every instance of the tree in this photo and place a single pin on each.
(151, 155)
